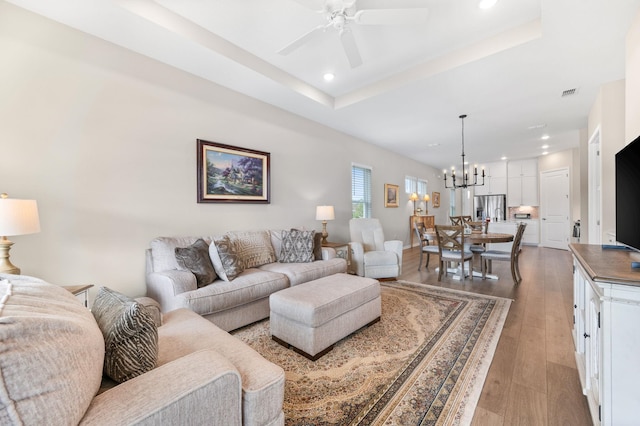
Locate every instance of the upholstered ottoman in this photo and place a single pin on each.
(313, 316)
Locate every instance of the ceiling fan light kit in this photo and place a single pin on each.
(340, 14)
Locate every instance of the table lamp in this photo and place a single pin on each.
(426, 202)
(17, 217)
(325, 213)
(414, 197)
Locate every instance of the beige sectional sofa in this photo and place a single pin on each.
(52, 368)
(244, 299)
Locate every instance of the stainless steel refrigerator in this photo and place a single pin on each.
(490, 206)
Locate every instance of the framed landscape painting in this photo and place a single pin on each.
(229, 174)
(391, 195)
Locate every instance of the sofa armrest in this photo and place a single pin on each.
(328, 253)
(202, 386)
(357, 257)
(164, 286)
(396, 247)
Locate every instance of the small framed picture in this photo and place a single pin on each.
(391, 195)
(436, 199)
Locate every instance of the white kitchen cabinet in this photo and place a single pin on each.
(502, 228)
(522, 183)
(495, 181)
(606, 337)
(531, 234)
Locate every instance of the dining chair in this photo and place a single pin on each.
(451, 248)
(425, 246)
(476, 227)
(489, 256)
(456, 220)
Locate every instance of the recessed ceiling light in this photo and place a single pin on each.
(329, 76)
(503, 158)
(544, 146)
(487, 4)
(545, 137)
(545, 153)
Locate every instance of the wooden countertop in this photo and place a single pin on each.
(606, 265)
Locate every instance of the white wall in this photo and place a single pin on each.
(608, 112)
(632, 89)
(105, 141)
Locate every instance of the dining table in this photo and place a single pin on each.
(476, 238)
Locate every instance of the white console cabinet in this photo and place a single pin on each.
(606, 335)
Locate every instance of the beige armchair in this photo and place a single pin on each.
(371, 255)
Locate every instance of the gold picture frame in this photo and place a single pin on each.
(436, 199)
(391, 195)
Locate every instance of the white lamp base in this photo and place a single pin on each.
(6, 267)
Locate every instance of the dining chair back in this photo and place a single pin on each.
(425, 246)
(513, 256)
(451, 247)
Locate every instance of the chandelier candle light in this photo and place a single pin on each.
(17, 217)
(465, 173)
(325, 213)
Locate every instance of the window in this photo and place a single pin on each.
(410, 184)
(360, 191)
(414, 184)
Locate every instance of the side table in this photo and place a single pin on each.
(81, 292)
(342, 251)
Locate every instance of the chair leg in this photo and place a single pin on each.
(420, 263)
(518, 269)
(427, 265)
(440, 270)
(483, 266)
(513, 272)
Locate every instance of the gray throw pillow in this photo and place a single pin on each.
(130, 335)
(297, 246)
(195, 258)
(317, 246)
(227, 263)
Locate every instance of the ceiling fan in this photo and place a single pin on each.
(340, 14)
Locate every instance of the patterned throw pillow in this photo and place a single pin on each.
(253, 247)
(297, 246)
(227, 263)
(130, 335)
(195, 258)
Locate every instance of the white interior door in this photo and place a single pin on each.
(555, 208)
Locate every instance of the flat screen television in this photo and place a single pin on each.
(628, 196)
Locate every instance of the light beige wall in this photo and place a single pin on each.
(584, 185)
(105, 141)
(632, 73)
(608, 114)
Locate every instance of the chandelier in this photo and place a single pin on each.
(465, 173)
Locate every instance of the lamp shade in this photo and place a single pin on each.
(325, 213)
(426, 197)
(413, 197)
(18, 217)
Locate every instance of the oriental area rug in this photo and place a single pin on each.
(424, 363)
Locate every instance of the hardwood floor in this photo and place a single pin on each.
(533, 378)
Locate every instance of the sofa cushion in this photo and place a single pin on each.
(51, 353)
(297, 246)
(253, 247)
(262, 381)
(196, 259)
(251, 285)
(225, 259)
(130, 335)
(298, 273)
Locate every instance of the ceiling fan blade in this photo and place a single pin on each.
(301, 40)
(350, 48)
(391, 16)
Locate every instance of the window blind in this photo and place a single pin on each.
(360, 191)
